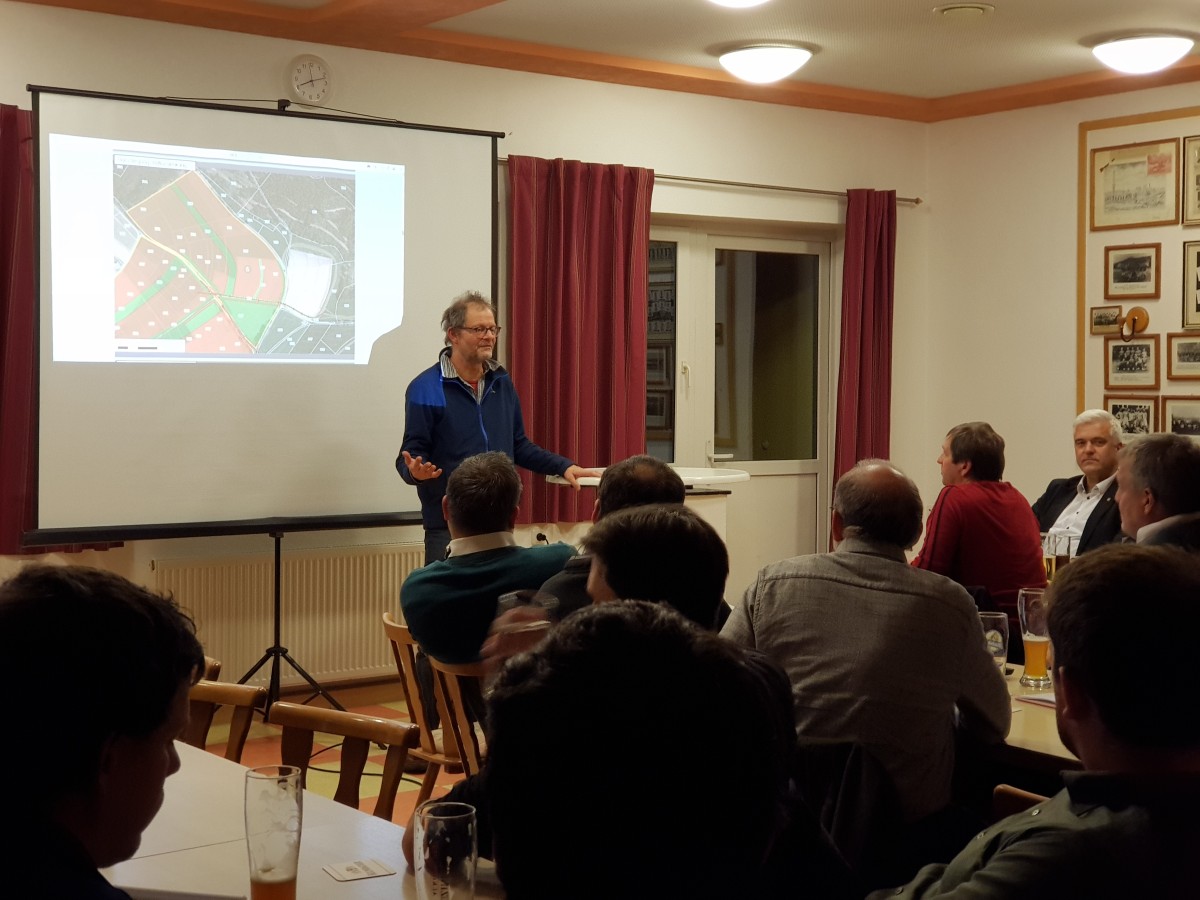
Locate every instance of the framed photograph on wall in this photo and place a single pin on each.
(1131, 272)
(1105, 319)
(1183, 357)
(1181, 415)
(1191, 180)
(660, 414)
(1132, 365)
(1191, 284)
(659, 366)
(1135, 185)
(1137, 415)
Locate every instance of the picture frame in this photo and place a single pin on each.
(1183, 357)
(1105, 319)
(660, 414)
(1131, 271)
(1191, 284)
(1181, 415)
(1135, 185)
(1131, 365)
(1191, 180)
(660, 368)
(1137, 415)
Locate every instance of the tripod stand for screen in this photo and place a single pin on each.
(277, 652)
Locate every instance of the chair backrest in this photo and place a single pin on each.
(212, 669)
(1008, 801)
(450, 687)
(203, 700)
(404, 649)
(853, 797)
(358, 732)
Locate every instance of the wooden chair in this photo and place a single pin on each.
(358, 732)
(212, 669)
(203, 700)
(431, 750)
(1008, 801)
(448, 683)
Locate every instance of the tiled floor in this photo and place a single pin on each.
(262, 748)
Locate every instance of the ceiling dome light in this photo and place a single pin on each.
(765, 63)
(1143, 53)
(738, 4)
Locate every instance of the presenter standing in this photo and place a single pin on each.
(465, 404)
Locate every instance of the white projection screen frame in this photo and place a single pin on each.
(232, 302)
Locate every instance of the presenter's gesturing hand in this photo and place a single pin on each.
(573, 474)
(419, 469)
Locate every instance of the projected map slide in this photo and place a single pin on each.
(238, 258)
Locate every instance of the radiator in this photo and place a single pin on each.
(332, 601)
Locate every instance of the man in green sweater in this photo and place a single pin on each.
(449, 604)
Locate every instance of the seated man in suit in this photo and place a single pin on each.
(449, 604)
(1083, 509)
(1158, 487)
(1126, 826)
(92, 725)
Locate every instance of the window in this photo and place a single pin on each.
(736, 350)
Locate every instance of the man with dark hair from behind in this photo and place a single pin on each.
(636, 481)
(103, 709)
(601, 820)
(1123, 623)
(666, 554)
(981, 532)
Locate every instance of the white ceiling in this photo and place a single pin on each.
(894, 46)
(897, 58)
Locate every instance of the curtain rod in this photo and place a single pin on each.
(915, 201)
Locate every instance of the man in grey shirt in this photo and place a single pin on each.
(878, 652)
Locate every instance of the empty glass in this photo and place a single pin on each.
(995, 634)
(445, 847)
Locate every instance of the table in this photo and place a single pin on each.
(196, 843)
(1033, 740)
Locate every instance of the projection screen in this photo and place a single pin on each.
(232, 302)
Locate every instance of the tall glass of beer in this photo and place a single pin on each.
(274, 808)
(1031, 609)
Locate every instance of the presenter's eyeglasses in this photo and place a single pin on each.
(481, 330)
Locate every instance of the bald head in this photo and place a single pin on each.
(876, 500)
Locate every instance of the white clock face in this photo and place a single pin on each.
(310, 79)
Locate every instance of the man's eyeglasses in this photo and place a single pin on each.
(481, 330)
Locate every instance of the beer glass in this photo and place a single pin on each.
(1048, 555)
(445, 850)
(995, 635)
(274, 805)
(1031, 609)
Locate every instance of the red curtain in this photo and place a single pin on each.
(17, 358)
(577, 285)
(864, 406)
(16, 326)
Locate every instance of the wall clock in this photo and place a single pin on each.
(309, 79)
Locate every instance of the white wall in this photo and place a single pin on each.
(1000, 314)
(985, 267)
